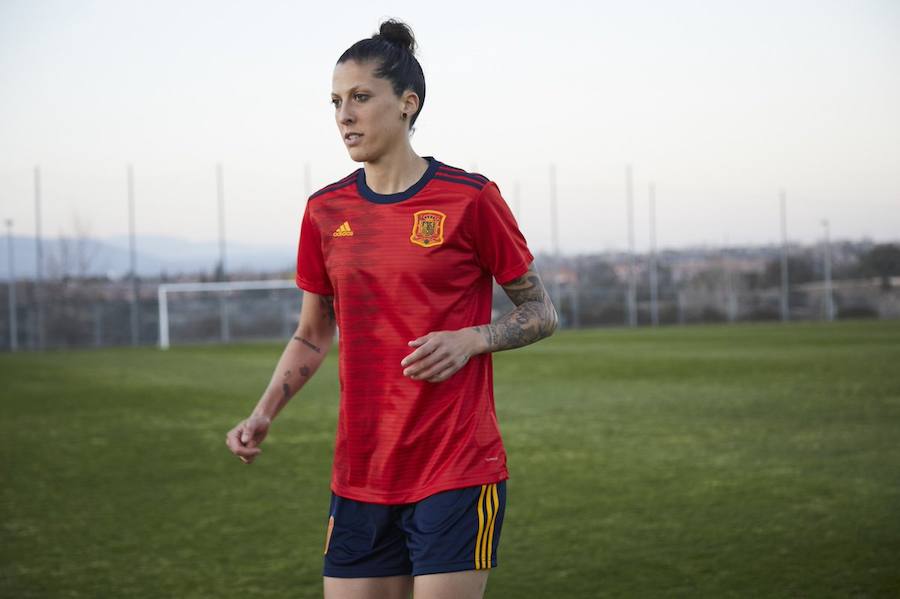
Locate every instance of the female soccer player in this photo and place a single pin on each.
(399, 256)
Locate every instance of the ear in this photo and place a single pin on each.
(410, 103)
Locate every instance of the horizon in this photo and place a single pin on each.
(722, 107)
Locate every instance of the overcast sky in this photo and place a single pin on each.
(721, 104)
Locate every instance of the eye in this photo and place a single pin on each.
(363, 96)
(335, 101)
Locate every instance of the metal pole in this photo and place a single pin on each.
(555, 236)
(829, 299)
(785, 291)
(163, 317)
(576, 288)
(39, 259)
(11, 290)
(632, 275)
(132, 252)
(654, 306)
(732, 294)
(225, 323)
(220, 190)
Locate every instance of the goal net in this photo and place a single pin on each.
(227, 311)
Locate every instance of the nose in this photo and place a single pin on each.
(345, 115)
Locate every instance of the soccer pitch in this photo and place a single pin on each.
(707, 461)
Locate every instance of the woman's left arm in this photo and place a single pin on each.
(439, 354)
(533, 318)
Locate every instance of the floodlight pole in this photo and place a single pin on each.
(224, 321)
(632, 275)
(39, 261)
(220, 193)
(11, 290)
(132, 254)
(555, 236)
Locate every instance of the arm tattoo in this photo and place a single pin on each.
(326, 302)
(533, 318)
(304, 372)
(309, 344)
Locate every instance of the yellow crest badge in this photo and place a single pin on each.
(428, 228)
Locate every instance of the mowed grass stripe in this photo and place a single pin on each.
(742, 460)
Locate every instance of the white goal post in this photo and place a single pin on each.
(165, 289)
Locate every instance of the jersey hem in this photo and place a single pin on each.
(400, 499)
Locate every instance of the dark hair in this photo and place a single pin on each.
(394, 48)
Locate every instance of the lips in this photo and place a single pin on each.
(352, 138)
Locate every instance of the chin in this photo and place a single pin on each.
(357, 155)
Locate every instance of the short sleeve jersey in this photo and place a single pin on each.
(400, 266)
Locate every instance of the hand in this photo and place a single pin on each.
(439, 354)
(243, 439)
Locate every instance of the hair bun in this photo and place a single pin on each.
(398, 33)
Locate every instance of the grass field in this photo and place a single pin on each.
(713, 461)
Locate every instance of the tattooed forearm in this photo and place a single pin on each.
(294, 369)
(286, 387)
(309, 344)
(533, 318)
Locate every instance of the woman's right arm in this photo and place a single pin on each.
(302, 356)
(300, 359)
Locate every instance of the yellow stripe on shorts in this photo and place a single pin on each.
(488, 506)
(480, 529)
(490, 550)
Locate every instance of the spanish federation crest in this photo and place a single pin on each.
(428, 228)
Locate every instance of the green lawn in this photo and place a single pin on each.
(708, 461)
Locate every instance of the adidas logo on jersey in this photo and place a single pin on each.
(343, 231)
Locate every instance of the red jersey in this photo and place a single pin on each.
(400, 266)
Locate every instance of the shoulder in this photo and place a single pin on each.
(455, 176)
(336, 185)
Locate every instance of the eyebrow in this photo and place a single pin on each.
(353, 89)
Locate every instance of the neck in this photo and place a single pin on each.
(396, 171)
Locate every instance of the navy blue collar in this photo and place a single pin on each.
(390, 198)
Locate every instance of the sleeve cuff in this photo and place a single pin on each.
(307, 286)
(513, 273)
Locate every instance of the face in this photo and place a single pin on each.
(366, 105)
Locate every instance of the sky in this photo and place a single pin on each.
(720, 105)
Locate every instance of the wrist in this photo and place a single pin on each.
(479, 342)
(261, 413)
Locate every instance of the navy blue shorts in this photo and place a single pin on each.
(445, 532)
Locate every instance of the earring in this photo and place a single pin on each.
(404, 115)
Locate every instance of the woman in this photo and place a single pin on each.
(400, 256)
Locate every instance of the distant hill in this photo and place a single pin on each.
(155, 254)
